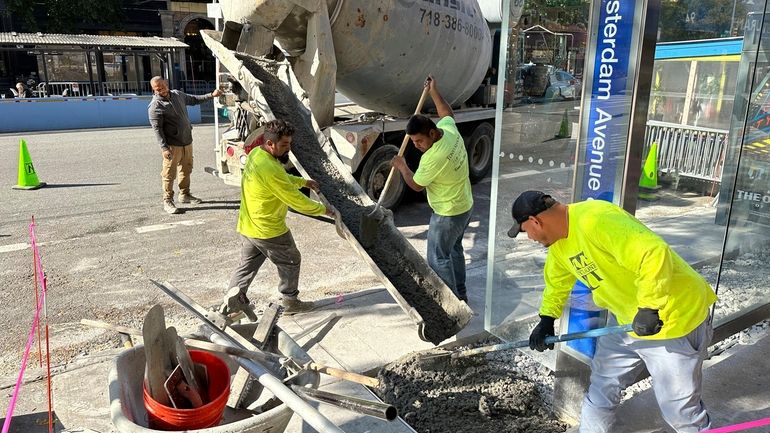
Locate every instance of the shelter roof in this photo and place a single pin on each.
(52, 39)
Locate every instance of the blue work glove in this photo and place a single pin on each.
(542, 330)
(647, 322)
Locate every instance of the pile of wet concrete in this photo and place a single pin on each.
(499, 392)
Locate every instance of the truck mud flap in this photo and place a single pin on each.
(276, 94)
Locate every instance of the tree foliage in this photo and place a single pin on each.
(561, 12)
(679, 19)
(700, 19)
(66, 16)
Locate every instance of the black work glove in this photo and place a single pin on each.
(647, 322)
(542, 330)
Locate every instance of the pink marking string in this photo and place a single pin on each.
(40, 276)
(17, 388)
(740, 427)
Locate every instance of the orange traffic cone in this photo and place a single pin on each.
(27, 175)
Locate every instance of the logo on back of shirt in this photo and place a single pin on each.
(455, 157)
(586, 270)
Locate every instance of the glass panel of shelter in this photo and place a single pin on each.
(537, 150)
(691, 104)
(745, 268)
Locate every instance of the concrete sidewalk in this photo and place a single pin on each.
(736, 389)
(372, 330)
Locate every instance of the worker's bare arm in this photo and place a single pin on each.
(400, 164)
(442, 107)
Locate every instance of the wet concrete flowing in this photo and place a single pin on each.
(502, 392)
(391, 252)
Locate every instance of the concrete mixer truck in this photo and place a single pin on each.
(362, 64)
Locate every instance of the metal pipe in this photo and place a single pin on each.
(307, 412)
(353, 404)
(318, 324)
(45, 72)
(91, 90)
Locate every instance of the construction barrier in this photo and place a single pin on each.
(51, 114)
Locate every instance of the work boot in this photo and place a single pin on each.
(169, 207)
(234, 302)
(294, 306)
(189, 198)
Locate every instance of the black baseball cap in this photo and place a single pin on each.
(529, 203)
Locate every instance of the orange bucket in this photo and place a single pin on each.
(167, 418)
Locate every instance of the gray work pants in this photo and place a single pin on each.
(675, 367)
(281, 250)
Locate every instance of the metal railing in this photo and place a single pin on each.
(688, 150)
(114, 88)
(196, 87)
(85, 88)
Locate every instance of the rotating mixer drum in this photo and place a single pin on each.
(385, 49)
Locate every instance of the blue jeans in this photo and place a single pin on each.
(445, 249)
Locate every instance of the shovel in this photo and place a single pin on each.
(370, 223)
(439, 360)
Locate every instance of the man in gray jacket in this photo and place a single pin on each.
(169, 120)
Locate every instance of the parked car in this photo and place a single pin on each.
(540, 82)
(563, 85)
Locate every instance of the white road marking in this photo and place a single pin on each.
(13, 247)
(169, 226)
(525, 173)
(512, 175)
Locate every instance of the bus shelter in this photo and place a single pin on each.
(93, 65)
(85, 81)
(677, 132)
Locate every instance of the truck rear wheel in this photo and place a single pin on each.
(375, 173)
(480, 146)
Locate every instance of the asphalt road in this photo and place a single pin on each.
(104, 235)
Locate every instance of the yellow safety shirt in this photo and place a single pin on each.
(266, 192)
(627, 267)
(443, 172)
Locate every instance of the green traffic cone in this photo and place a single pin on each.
(648, 182)
(27, 178)
(564, 127)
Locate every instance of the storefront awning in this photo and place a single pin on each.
(13, 39)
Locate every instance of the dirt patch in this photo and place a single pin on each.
(502, 392)
(392, 253)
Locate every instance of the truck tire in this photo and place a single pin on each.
(375, 173)
(480, 147)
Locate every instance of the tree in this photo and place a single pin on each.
(66, 16)
(561, 12)
(699, 19)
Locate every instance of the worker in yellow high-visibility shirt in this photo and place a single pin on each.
(640, 280)
(267, 191)
(443, 174)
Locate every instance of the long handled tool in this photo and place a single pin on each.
(354, 404)
(438, 359)
(271, 357)
(371, 222)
